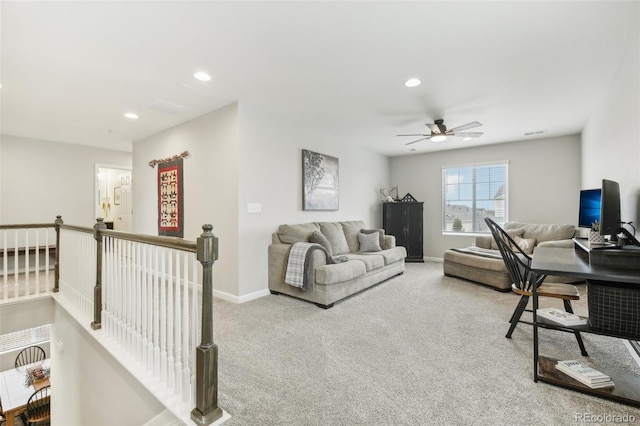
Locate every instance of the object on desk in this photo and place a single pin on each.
(595, 237)
(558, 316)
(585, 374)
(36, 374)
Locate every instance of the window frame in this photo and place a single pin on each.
(473, 168)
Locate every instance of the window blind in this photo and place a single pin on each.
(472, 192)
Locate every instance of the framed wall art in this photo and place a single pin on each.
(319, 181)
(170, 199)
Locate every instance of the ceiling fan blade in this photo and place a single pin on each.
(409, 143)
(467, 134)
(465, 127)
(433, 127)
(414, 134)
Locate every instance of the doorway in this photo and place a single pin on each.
(113, 196)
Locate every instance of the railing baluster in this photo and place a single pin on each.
(206, 410)
(143, 292)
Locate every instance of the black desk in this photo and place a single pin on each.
(572, 262)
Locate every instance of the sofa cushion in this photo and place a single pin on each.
(547, 232)
(381, 235)
(526, 244)
(340, 272)
(370, 262)
(319, 238)
(369, 242)
(351, 229)
(475, 260)
(334, 233)
(301, 233)
(390, 255)
(513, 233)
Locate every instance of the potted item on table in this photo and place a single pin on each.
(594, 234)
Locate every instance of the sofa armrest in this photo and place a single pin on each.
(389, 241)
(557, 244)
(483, 241)
(279, 256)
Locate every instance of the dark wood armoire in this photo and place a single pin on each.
(403, 220)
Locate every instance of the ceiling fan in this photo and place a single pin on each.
(439, 132)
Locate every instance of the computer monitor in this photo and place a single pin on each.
(610, 222)
(589, 211)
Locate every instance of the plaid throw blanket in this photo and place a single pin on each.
(298, 273)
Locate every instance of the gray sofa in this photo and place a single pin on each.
(483, 263)
(350, 260)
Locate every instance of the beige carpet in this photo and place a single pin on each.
(419, 349)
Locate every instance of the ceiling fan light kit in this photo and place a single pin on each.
(439, 132)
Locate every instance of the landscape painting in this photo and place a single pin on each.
(320, 181)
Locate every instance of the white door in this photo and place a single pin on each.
(123, 221)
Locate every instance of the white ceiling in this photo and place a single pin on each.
(71, 69)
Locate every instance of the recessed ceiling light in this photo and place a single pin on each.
(412, 82)
(202, 76)
(131, 115)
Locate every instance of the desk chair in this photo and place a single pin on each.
(30, 355)
(39, 407)
(518, 265)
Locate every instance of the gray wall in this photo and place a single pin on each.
(42, 179)
(243, 154)
(611, 138)
(544, 183)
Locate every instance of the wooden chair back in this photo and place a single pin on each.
(30, 355)
(39, 405)
(517, 262)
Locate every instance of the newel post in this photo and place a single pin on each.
(97, 290)
(207, 410)
(56, 277)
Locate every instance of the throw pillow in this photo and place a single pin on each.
(526, 244)
(512, 233)
(369, 242)
(319, 238)
(335, 235)
(380, 233)
(290, 234)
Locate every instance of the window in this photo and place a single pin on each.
(471, 193)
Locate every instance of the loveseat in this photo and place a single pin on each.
(346, 258)
(483, 263)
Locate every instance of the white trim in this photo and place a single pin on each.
(240, 299)
(482, 163)
(434, 259)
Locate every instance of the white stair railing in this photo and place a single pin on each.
(78, 250)
(150, 307)
(151, 296)
(26, 260)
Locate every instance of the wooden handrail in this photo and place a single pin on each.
(206, 410)
(28, 226)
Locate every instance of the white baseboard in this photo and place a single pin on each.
(240, 299)
(434, 259)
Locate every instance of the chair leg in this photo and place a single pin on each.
(569, 308)
(515, 318)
